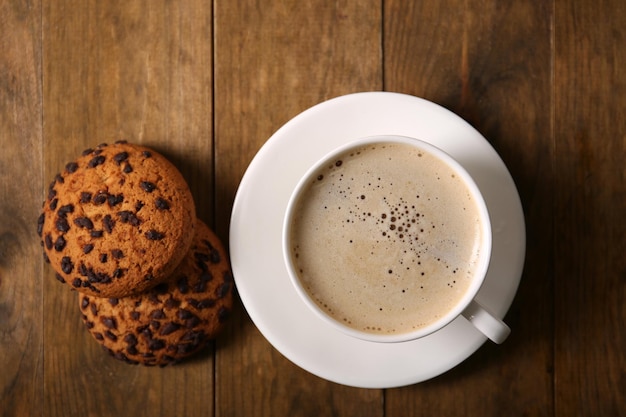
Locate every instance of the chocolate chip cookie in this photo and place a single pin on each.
(117, 220)
(173, 320)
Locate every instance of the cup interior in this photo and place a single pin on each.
(480, 269)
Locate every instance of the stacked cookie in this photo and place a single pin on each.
(119, 226)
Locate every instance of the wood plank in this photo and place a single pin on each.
(273, 60)
(21, 262)
(489, 62)
(139, 71)
(590, 132)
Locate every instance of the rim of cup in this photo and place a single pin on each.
(480, 271)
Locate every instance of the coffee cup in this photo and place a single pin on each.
(388, 239)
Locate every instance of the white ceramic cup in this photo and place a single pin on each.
(467, 306)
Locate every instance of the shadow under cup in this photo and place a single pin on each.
(388, 239)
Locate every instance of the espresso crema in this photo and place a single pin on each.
(386, 238)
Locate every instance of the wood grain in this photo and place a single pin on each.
(139, 71)
(206, 83)
(21, 342)
(489, 62)
(590, 276)
(273, 60)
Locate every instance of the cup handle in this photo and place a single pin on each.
(492, 327)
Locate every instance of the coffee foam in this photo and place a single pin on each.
(386, 238)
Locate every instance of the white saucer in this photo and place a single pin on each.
(255, 239)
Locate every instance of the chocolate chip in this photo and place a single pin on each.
(129, 217)
(201, 256)
(114, 200)
(135, 315)
(156, 344)
(161, 204)
(98, 336)
(53, 204)
(120, 141)
(83, 222)
(127, 168)
(120, 157)
(109, 322)
(185, 348)
(95, 161)
(118, 273)
(77, 282)
(214, 254)
(58, 178)
(200, 305)
(89, 324)
(139, 205)
(40, 221)
(120, 356)
(223, 290)
(202, 265)
(132, 350)
(100, 198)
(108, 223)
(206, 277)
(87, 248)
(64, 210)
(62, 225)
(85, 197)
(193, 336)
(103, 258)
(223, 314)
(169, 328)
(147, 186)
(184, 314)
(94, 309)
(66, 265)
(71, 167)
(200, 286)
(155, 324)
(48, 241)
(147, 154)
(192, 322)
(109, 334)
(145, 332)
(171, 303)
(114, 301)
(59, 244)
(117, 253)
(157, 314)
(154, 235)
(130, 339)
(206, 303)
(87, 151)
(96, 233)
(100, 278)
(59, 278)
(182, 285)
(51, 191)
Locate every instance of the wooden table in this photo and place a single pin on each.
(207, 83)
